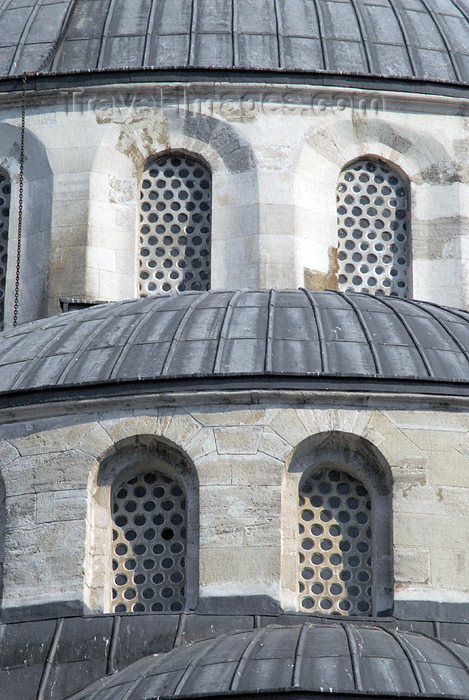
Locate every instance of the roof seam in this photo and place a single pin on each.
(86, 343)
(223, 332)
(20, 43)
(361, 29)
(150, 24)
(449, 50)
(410, 659)
(193, 665)
(446, 328)
(107, 22)
(280, 61)
(193, 23)
(133, 333)
(299, 653)
(411, 334)
(270, 331)
(402, 27)
(448, 648)
(245, 656)
(320, 329)
(322, 38)
(361, 320)
(179, 330)
(354, 657)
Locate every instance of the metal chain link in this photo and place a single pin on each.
(20, 202)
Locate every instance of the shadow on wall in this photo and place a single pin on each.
(36, 231)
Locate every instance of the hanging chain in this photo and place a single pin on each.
(20, 202)
(47, 61)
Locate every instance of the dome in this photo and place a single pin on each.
(333, 338)
(331, 657)
(423, 40)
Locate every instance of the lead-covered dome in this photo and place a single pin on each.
(424, 39)
(280, 338)
(334, 658)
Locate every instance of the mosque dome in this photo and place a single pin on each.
(238, 463)
(334, 658)
(421, 40)
(324, 335)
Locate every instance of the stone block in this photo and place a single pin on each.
(20, 511)
(55, 506)
(449, 569)
(182, 428)
(449, 468)
(202, 444)
(238, 440)
(411, 564)
(325, 420)
(273, 445)
(287, 424)
(96, 441)
(244, 502)
(232, 417)
(240, 571)
(257, 470)
(8, 453)
(214, 469)
(430, 530)
(55, 437)
(266, 532)
(434, 440)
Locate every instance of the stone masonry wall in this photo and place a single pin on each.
(49, 466)
(275, 153)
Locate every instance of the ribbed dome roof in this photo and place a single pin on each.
(425, 39)
(332, 658)
(256, 333)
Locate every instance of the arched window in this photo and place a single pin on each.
(5, 188)
(175, 225)
(373, 220)
(149, 544)
(335, 544)
(337, 515)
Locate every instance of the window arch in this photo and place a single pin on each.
(335, 544)
(175, 225)
(5, 192)
(373, 236)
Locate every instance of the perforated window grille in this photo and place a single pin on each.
(149, 544)
(175, 226)
(5, 190)
(335, 540)
(372, 215)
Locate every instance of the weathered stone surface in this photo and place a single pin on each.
(412, 564)
(246, 518)
(238, 440)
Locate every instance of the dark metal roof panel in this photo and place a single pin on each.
(407, 38)
(334, 657)
(249, 332)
